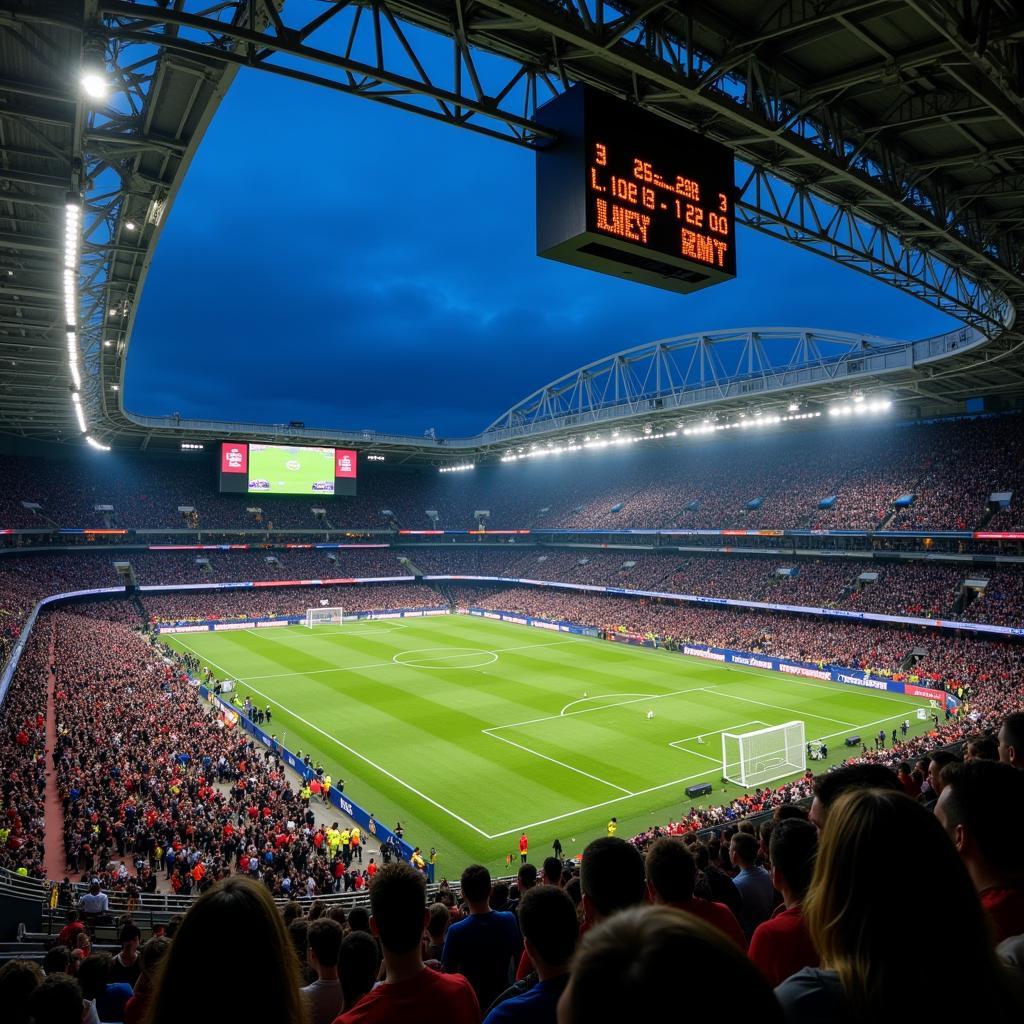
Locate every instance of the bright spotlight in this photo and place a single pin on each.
(94, 85)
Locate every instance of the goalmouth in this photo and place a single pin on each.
(324, 617)
(756, 758)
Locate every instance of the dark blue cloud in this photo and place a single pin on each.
(338, 262)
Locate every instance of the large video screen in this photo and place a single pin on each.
(287, 469)
(274, 469)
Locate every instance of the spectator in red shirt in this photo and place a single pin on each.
(982, 808)
(410, 990)
(781, 946)
(671, 875)
(235, 910)
(628, 968)
(68, 935)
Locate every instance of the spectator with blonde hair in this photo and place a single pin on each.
(858, 885)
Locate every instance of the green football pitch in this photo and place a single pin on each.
(470, 731)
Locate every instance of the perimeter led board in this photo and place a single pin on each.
(627, 193)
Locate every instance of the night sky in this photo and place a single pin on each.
(334, 261)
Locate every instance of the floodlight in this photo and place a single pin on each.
(94, 85)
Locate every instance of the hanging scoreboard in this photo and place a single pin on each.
(626, 193)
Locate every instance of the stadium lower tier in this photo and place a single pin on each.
(988, 592)
(143, 767)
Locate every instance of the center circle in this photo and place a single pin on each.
(446, 657)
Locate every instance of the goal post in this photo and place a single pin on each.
(758, 757)
(324, 617)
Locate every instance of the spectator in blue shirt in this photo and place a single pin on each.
(548, 920)
(753, 882)
(484, 946)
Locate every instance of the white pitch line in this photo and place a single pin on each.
(866, 689)
(553, 760)
(866, 725)
(602, 696)
(345, 746)
(391, 664)
(605, 803)
(715, 732)
(322, 671)
(779, 707)
(601, 707)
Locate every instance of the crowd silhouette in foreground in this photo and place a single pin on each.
(792, 922)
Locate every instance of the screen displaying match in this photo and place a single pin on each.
(287, 469)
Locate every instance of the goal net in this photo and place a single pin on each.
(755, 758)
(323, 616)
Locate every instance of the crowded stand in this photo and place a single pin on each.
(775, 481)
(923, 591)
(903, 588)
(23, 760)
(158, 793)
(201, 605)
(884, 650)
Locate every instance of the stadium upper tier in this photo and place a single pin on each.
(843, 475)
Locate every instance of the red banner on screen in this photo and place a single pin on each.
(345, 463)
(234, 458)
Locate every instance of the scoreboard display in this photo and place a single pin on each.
(287, 469)
(626, 193)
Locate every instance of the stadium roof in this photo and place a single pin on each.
(885, 136)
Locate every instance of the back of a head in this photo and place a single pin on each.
(58, 1000)
(792, 850)
(57, 960)
(548, 921)
(628, 968)
(359, 919)
(1011, 740)
(784, 811)
(298, 932)
(744, 846)
(233, 913)
(612, 875)
(982, 748)
(153, 952)
(358, 964)
(476, 884)
(857, 891)
(830, 786)
(398, 903)
(552, 871)
(18, 980)
(986, 799)
(324, 937)
(671, 870)
(437, 923)
(93, 974)
(527, 877)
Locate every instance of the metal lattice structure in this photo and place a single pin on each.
(887, 136)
